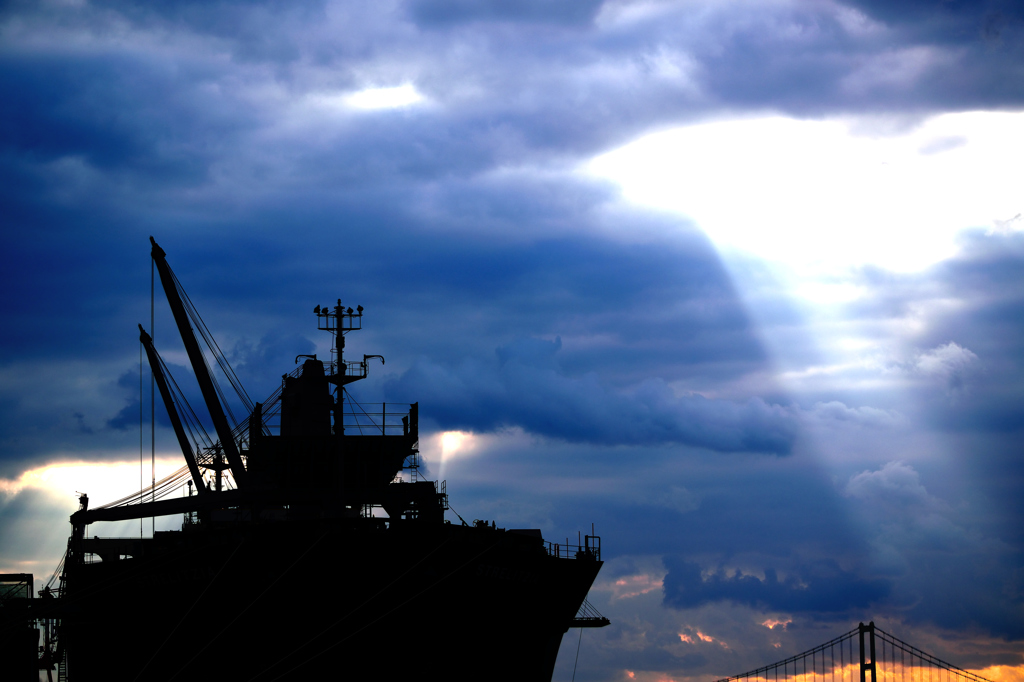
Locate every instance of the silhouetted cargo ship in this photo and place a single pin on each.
(310, 550)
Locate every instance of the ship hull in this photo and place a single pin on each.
(290, 601)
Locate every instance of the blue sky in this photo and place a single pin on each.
(742, 283)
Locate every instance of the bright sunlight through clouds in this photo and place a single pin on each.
(814, 195)
(102, 481)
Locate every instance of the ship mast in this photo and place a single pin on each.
(172, 412)
(195, 356)
(338, 321)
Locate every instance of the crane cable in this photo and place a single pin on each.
(215, 350)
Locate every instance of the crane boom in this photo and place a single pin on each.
(172, 412)
(195, 356)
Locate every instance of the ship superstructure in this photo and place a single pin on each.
(311, 548)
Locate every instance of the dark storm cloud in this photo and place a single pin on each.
(93, 155)
(821, 587)
(428, 12)
(805, 58)
(939, 545)
(116, 112)
(129, 416)
(506, 92)
(957, 21)
(986, 599)
(523, 387)
(732, 509)
(880, 545)
(463, 296)
(259, 363)
(110, 140)
(64, 109)
(245, 267)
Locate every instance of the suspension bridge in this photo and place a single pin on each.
(867, 651)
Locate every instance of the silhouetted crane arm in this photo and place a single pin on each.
(172, 412)
(195, 356)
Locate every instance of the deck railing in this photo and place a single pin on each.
(590, 549)
(365, 419)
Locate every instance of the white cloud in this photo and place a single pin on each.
(950, 362)
(384, 98)
(896, 483)
(949, 365)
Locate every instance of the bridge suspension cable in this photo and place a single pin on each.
(877, 656)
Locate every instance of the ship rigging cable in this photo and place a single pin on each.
(142, 434)
(164, 487)
(215, 350)
(152, 386)
(190, 420)
(177, 479)
(197, 433)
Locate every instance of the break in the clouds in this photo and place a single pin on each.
(738, 282)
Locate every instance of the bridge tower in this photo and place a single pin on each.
(867, 666)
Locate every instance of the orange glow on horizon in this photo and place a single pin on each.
(850, 672)
(1001, 673)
